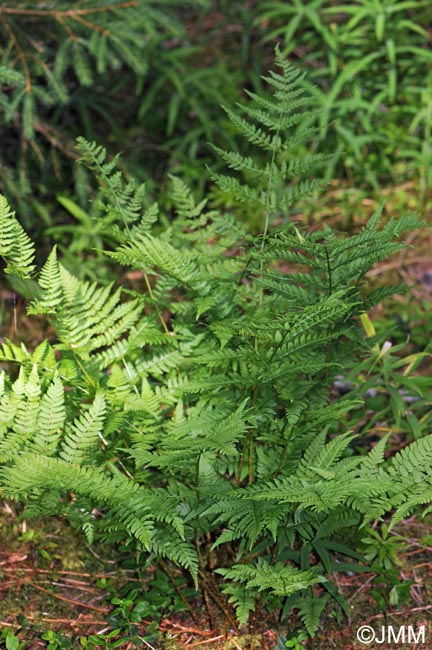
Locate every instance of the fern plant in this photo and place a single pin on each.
(194, 415)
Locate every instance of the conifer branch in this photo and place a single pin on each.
(68, 13)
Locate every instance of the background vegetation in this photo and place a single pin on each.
(147, 80)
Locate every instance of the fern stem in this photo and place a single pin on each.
(215, 594)
(247, 448)
(329, 272)
(84, 371)
(165, 569)
(267, 210)
(149, 289)
(211, 589)
(281, 461)
(250, 459)
(241, 461)
(261, 267)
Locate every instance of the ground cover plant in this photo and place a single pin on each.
(190, 417)
(376, 106)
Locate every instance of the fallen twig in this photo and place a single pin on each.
(70, 600)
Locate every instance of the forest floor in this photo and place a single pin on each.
(50, 580)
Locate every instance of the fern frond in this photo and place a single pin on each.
(50, 282)
(88, 318)
(279, 579)
(147, 252)
(85, 433)
(411, 478)
(273, 124)
(184, 202)
(310, 611)
(242, 598)
(51, 419)
(182, 553)
(15, 245)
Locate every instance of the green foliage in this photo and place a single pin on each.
(194, 413)
(375, 103)
(295, 643)
(383, 548)
(83, 42)
(162, 69)
(397, 397)
(147, 78)
(9, 641)
(68, 70)
(266, 123)
(15, 247)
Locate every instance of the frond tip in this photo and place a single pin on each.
(276, 125)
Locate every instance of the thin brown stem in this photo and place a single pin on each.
(69, 600)
(56, 139)
(250, 459)
(241, 461)
(60, 19)
(149, 289)
(68, 13)
(93, 26)
(213, 591)
(178, 591)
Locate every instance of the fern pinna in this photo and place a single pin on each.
(197, 417)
